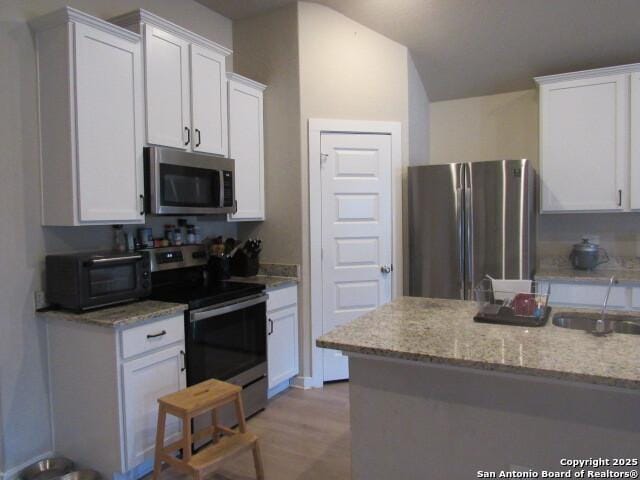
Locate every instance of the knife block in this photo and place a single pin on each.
(243, 265)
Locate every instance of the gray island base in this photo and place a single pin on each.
(446, 398)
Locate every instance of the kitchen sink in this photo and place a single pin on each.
(618, 323)
(625, 326)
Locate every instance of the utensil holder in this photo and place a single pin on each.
(220, 268)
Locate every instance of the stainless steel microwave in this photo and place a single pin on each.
(81, 281)
(187, 183)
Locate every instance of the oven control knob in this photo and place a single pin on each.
(145, 284)
(145, 274)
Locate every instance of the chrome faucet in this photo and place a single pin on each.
(600, 325)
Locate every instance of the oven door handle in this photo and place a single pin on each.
(201, 314)
(124, 258)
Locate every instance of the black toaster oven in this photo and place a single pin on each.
(81, 281)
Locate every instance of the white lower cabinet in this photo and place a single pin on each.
(282, 338)
(104, 392)
(144, 380)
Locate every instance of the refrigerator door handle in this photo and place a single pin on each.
(468, 230)
(460, 234)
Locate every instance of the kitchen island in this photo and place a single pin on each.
(436, 395)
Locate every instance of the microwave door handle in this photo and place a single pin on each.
(203, 313)
(103, 261)
(221, 204)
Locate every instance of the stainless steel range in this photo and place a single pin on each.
(225, 325)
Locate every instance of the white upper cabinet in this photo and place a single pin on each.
(208, 101)
(186, 94)
(634, 170)
(590, 140)
(91, 120)
(584, 142)
(246, 146)
(167, 79)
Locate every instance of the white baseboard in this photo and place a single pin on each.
(302, 382)
(281, 387)
(12, 473)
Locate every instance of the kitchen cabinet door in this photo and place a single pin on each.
(109, 140)
(282, 344)
(584, 144)
(246, 147)
(144, 380)
(167, 88)
(634, 169)
(208, 101)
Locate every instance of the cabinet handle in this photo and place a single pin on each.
(184, 361)
(270, 326)
(141, 204)
(156, 335)
(619, 198)
(188, 135)
(199, 137)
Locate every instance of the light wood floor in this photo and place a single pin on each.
(304, 435)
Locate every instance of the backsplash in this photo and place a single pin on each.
(280, 270)
(617, 233)
(100, 237)
(561, 262)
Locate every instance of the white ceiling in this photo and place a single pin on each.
(465, 48)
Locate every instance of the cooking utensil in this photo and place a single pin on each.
(587, 255)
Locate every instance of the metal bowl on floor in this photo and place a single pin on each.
(47, 469)
(81, 475)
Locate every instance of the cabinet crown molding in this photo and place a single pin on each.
(68, 14)
(596, 72)
(246, 81)
(144, 16)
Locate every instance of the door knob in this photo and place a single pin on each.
(386, 268)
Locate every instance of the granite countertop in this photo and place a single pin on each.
(568, 274)
(124, 315)
(443, 332)
(270, 282)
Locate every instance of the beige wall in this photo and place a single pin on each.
(419, 116)
(318, 65)
(24, 404)
(347, 71)
(506, 126)
(266, 50)
(485, 128)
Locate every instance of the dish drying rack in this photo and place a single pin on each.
(512, 302)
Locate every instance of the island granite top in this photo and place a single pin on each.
(443, 332)
(124, 315)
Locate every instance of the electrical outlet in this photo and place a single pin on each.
(40, 299)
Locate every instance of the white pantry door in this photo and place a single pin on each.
(356, 232)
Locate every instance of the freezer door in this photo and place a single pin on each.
(436, 267)
(498, 221)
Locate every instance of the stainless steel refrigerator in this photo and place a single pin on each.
(467, 220)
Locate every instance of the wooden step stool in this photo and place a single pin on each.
(197, 400)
